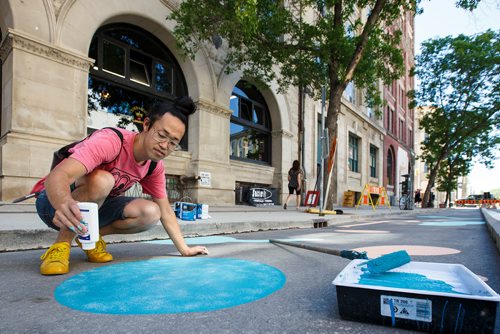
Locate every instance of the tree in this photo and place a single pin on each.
(449, 171)
(459, 81)
(304, 43)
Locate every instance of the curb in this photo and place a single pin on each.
(19, 240)
(492, 218)
(29, 239)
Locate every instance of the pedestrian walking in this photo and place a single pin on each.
(100, 169)
(294, 181)
(418, 198)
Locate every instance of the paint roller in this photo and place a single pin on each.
(377, 265)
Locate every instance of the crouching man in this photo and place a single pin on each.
(100, 169)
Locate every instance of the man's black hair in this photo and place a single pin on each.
(181, 108)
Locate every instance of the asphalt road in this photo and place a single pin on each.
(306, 302)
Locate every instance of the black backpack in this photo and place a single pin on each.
(64, 153)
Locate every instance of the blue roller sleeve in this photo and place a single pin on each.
(386, 262)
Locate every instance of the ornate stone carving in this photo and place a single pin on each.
(5, 48)
(57, 6)
(15, 40)
(282, 133)
(214, 109)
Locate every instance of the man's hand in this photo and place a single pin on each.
(57, 185)
(192, 251)
(68, 216)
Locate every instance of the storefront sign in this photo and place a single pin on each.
(262, 196)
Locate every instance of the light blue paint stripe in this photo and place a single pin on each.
(452, 223)
(172, 285)
(215, 240)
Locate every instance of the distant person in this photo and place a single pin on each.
(100, 169)
(294, 181)
(418, 198)
(432, 197)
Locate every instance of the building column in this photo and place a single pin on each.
(44, 106)
(209, 146)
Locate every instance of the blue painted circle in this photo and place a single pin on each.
(173, 285)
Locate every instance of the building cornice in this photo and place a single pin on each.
(214, 109)
(24, 42)
(58, 4)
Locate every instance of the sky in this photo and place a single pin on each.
(441, 18)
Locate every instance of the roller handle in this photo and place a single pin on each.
(20, 199)
(348, 254)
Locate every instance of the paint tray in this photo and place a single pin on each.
(422, 296)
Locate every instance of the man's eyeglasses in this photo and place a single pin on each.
(161, 138)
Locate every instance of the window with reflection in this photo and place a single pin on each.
(373, 161)
(390, 166)
(250, 128)
(353, 153)
(350, 92)
(132, 69)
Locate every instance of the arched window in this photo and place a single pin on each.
(132, 69)
(390, 166)
(250, 130)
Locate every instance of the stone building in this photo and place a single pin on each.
(399, 152)
(72, 66)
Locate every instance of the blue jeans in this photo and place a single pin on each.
(110, 211)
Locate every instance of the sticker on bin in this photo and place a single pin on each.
(406, 308)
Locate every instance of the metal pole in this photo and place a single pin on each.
(322, 141)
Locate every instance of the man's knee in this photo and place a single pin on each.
(149, 214)
(151, 211)
(98, 184)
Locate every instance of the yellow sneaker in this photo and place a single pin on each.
(56, 259)
(98, 254)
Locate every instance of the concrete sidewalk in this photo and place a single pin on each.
(21, 228)
(492, 218)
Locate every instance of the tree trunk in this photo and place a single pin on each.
(430, 184)
(334, 102)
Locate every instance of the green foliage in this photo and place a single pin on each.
(450, 169)
(315, 43)
(495, 193)
(307, 43)
(467, 4)
(460, 82)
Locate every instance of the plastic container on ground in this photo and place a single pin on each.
(185, 211)
(469, 308)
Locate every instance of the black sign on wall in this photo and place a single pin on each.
(262, 196)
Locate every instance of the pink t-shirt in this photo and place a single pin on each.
(104, 150)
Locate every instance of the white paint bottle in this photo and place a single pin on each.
(90, 218)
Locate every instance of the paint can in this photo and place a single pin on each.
(90, 218)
